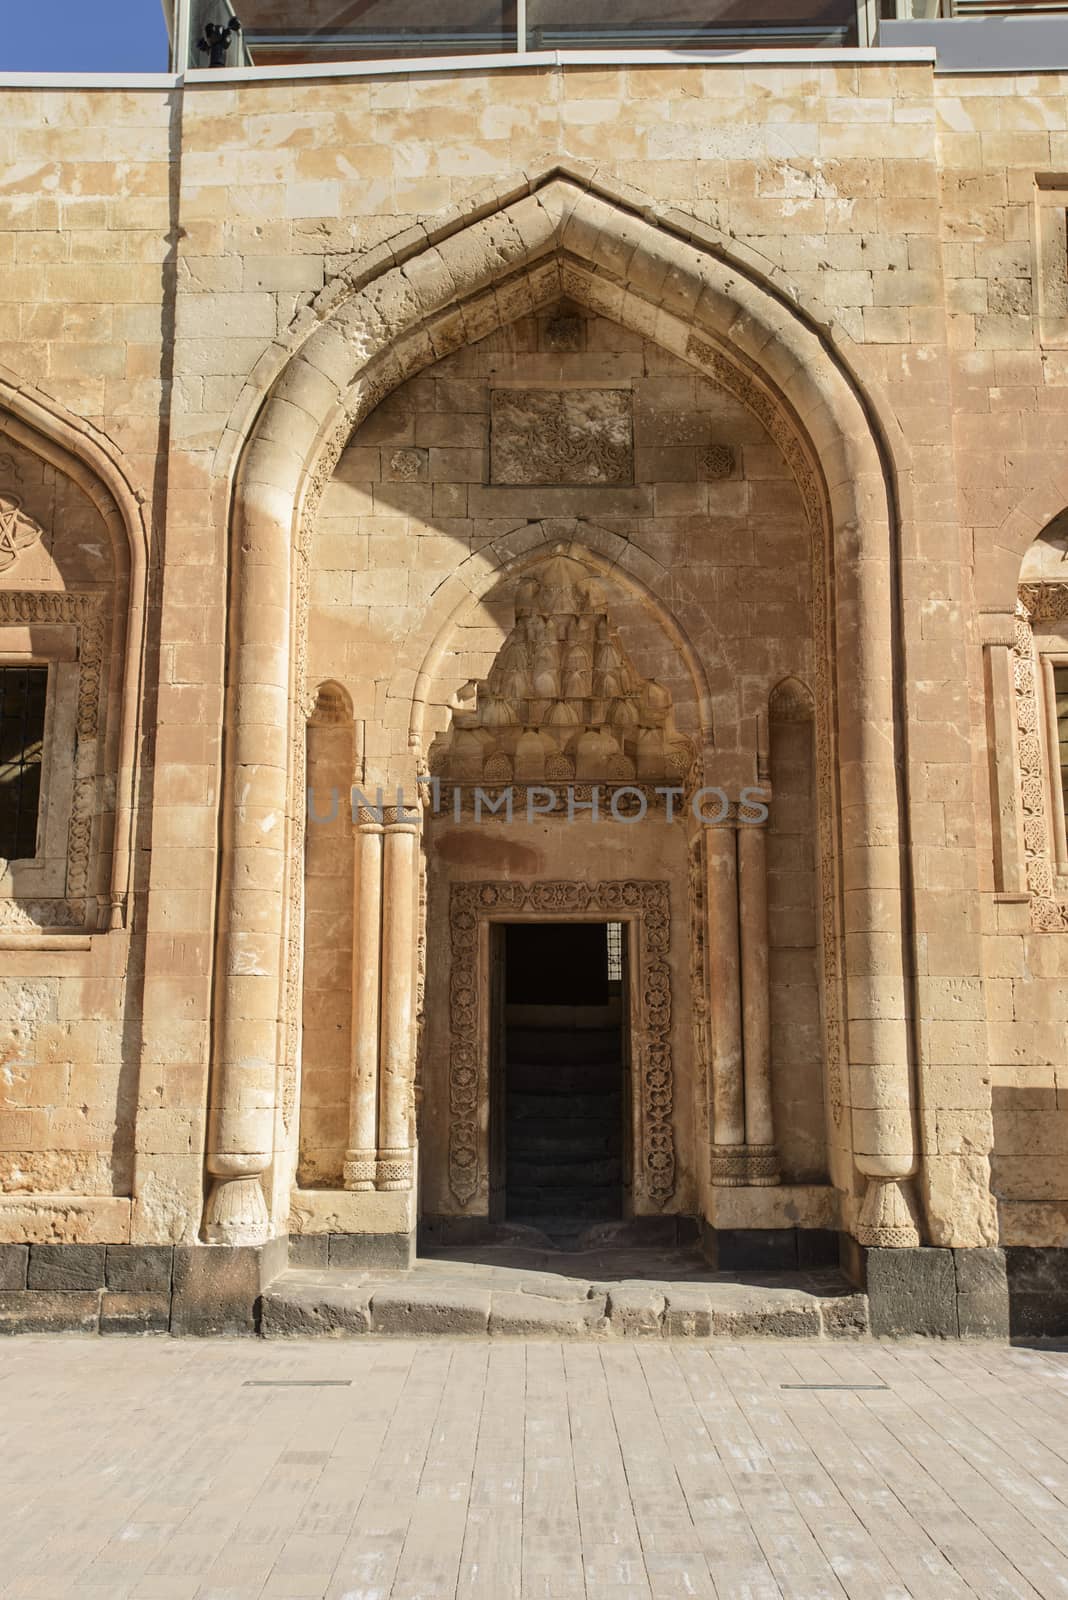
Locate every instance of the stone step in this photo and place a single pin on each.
(578, 1201)
(562, 1141)
(559, 1232)
(588, 1175)
(446, 1299)
(562, 1046)
(603, 1108)
(555, 1077)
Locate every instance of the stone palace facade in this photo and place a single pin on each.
(386, 451)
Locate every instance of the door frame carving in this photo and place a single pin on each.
(646, 907)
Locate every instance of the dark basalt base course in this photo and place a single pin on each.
(195, 1290)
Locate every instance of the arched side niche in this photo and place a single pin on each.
(794, 922)
(562, 239)
(72, 608)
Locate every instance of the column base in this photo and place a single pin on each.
(394, 1170)
(886, 1217)
(358, 1171)
(236, 1212)
(744, 1166)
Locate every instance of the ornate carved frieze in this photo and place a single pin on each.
(745, 1166)
(700, 1010)
(563, 702)
(561, 436)
(1037, 603)
(647, 907)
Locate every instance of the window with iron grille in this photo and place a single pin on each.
(23, 692)
(614, 935)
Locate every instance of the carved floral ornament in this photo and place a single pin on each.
(562, 701)
(1036, 603)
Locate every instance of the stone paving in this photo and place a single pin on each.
(510, 1291)
(406, 1470)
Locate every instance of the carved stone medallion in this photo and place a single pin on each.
(17, 530)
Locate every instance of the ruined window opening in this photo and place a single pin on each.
(23, 695)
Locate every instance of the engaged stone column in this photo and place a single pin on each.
(359, 1169)
(397, 1033)
(724, 985)
(877, 987)
(761, 1159)
(249, 1004)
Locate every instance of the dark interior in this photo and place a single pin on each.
(563, 1041)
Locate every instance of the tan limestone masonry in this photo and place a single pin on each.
(304, 388)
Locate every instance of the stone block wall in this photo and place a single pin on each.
(902, 214)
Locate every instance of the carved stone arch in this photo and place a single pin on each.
(998, 565)
(597, 548)
(330, 705)
(627, 200)
(46, 429)
(363, 339)
(791, 701)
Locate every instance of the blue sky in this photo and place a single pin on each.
(83, 36)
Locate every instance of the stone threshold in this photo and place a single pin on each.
(449, 1296)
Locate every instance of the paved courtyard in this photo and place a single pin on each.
(406, 1470)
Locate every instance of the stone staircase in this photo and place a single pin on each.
(564, 1120)
(527, 1290)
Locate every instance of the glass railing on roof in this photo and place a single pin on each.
(281, 32)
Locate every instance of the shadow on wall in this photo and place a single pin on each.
(1029, 1175)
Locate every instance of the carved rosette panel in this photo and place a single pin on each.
(1037, 602)
(579, 436)
(85, 613)
(647, 906)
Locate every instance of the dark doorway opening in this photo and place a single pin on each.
(561, 1037)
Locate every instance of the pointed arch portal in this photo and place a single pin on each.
(414, 304)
